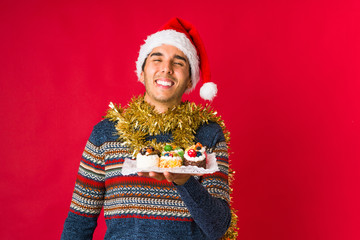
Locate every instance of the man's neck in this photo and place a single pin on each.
(161, 107)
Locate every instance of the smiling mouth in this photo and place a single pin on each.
(166, 83)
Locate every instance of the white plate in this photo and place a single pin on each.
(129, 167)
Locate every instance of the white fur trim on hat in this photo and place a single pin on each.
(208, 91)
(176, 39)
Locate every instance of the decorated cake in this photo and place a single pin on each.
(195, 156)
(171, 157)
(147, 157)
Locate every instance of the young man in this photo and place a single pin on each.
(155, 205)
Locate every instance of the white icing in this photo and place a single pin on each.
(149, 161)
(195, 159)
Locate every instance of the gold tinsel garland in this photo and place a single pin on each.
(139, 120)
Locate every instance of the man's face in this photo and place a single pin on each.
(166, 75)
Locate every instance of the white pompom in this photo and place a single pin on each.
(208, 91)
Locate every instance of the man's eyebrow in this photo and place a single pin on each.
(180, 57)
(159, 54)
(156, 54)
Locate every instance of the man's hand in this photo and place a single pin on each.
(177, 178)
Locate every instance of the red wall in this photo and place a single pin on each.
(288, 74)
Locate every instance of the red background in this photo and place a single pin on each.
(288, 77)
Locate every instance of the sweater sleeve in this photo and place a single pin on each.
(208, 199)
(88, 195)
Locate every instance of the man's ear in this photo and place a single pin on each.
(189, 84)
(141, 79)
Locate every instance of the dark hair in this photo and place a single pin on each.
(143, 66)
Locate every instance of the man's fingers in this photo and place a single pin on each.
(169, 176)
(157, 176)
(179, 179)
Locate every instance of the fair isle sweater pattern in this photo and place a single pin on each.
(100, 184)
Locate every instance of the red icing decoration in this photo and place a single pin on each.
(192, 153)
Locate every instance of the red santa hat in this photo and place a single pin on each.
(183, 35)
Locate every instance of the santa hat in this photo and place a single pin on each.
(184, 36)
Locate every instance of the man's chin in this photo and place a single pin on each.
(164, 99)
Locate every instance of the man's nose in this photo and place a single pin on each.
(167, 67)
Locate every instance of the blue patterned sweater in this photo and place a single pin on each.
(144, 208)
